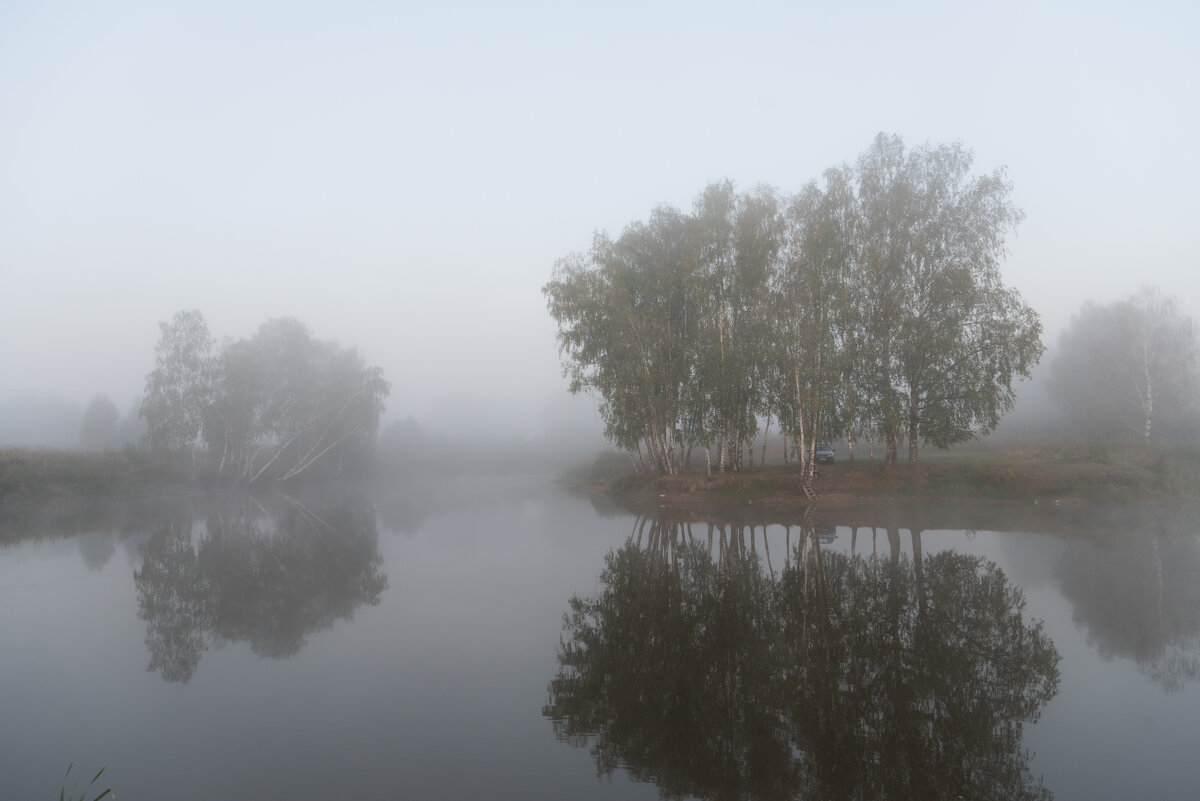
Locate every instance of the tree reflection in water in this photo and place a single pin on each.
(840, 676)
(268, 578)
(1138, 595)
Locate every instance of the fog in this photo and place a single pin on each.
(402, 179)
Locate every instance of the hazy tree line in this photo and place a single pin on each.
(274, 406)
(103, 428)
(868, 305)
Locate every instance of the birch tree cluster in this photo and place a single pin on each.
(273, 407)
(867, 305)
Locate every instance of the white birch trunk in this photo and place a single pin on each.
(805, 464)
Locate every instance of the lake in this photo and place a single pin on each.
(488, 638)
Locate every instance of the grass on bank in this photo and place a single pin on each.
(1086, 472)
(33, 476)
(83, 796)
(1092, 473)
(1059, 472)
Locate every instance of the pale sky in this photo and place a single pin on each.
(402, 177)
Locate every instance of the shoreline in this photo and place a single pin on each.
(1051, 480)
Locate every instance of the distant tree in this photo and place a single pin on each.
(294, 401)
(1128, 369)
(406, 446)
(1137, 597)
(275, 406)
(178, 389)
(99, 431)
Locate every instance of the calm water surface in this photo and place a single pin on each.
(504, 639)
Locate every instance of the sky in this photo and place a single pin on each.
(402, 177)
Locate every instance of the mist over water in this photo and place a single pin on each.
(365, 205)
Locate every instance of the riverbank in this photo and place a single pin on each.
(30, 476)
(1056, 476)
(1064, 477)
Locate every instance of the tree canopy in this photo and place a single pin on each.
(869, 303)
(276, 405)
(178, 387)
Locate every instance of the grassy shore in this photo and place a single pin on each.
(1057, 476)
(37, 476)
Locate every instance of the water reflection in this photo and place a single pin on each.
(264, 572)
(707, 672)
(1138, 595)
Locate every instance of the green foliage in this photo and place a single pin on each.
(627, 315)
(870, 304)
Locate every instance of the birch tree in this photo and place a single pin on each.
(179, 387)
(871, 304)
(811, 314)
(1129, 369)
(945, 337)
(626, 314)
(740, 239)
